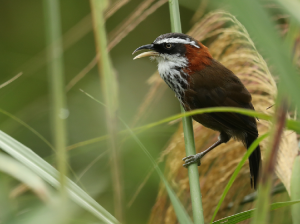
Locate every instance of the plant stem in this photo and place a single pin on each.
(110, 92)
(196, 197)
(57, 86)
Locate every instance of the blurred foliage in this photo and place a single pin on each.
(22, 49)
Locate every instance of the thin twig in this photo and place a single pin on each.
(11, 80)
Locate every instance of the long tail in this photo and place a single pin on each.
(254, 161)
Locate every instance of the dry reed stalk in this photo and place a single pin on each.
(72, 36)
(154, 94)
(82, 73)
(233, 48)
(139, 15)
(11, 80)
(200, 11)
(130, 19)
(112, 8)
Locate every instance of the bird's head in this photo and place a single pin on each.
(178, 51)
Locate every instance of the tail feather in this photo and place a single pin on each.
(254, 161)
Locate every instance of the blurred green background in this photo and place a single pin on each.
(22, 49)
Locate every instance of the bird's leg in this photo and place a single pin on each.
(196, 158)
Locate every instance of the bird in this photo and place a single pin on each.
(199, 81)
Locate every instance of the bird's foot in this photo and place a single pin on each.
(192, 159)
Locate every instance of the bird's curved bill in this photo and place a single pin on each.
(145, 54)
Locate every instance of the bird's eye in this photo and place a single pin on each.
(168, 46)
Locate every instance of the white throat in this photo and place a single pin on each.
(170, 68)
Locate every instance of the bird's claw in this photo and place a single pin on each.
(192, 159)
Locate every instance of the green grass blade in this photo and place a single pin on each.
(237, 170)
(49, 174)
(20, 172)
(179, 209)
(239, 217)
(28, 127)
(290, 124)
(180, 212)
(248, 112)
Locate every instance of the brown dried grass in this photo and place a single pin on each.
(230, 44)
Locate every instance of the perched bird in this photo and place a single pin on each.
(199, 81)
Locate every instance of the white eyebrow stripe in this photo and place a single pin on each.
(178, 40)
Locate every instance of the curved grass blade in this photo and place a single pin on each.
(49, 174)
(23, 174)
(237, 170)
(290, 124)
(39, 136)
(239, 217)
(28, 127)
(179, 210)
(247, 112)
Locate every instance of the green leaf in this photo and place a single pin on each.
(28, 127)
(180, 212)
(248, 214)
(290, 124)
(20, 172)
(49, 174)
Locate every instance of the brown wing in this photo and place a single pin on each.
(216, 86)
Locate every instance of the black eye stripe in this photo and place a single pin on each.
(176, 48)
